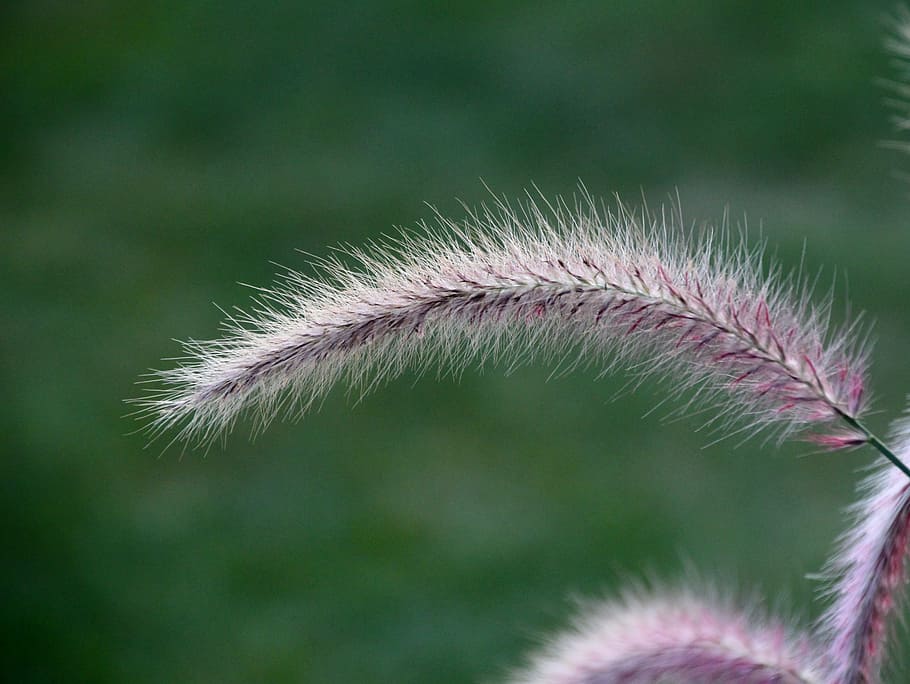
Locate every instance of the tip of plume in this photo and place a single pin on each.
(838, 440)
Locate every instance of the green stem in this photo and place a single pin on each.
(877, 443)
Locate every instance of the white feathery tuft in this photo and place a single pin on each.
(869, 571)
(605, 286)
(675, 637)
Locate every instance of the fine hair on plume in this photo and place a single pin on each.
(609, 287)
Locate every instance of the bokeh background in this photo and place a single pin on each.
(155, 154)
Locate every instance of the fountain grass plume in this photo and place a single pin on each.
(675, 636)
(611, 287)
(868, 573)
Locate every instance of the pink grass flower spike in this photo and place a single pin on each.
(869, 572)
(678, 638)
(610, 287)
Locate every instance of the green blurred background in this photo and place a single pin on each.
(153, 154)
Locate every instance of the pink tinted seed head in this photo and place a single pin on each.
(674, 637)
(868, 572)
(611, 287)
